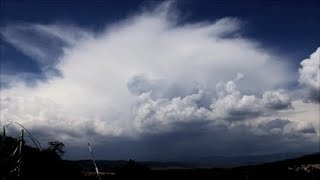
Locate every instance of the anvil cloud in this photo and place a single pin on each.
(149, 76)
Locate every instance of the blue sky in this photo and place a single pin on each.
(155, 76)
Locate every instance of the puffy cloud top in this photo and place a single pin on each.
(310, 76)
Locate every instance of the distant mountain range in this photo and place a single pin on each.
(232, 161)
(191, 162)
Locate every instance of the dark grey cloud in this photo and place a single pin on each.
(277, 123)
(198, 141)
(237, 114)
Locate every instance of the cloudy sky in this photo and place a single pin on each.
(159, 80)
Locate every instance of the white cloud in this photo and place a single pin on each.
(161, 115)
(233, 105)
(276, 100)
(310, 76)
(146, 74)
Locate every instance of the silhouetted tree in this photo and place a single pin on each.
(34, 163)
(8, 159)
(56, 147)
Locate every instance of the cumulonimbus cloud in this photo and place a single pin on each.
(147, 75)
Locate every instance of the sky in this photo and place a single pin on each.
(163, 80)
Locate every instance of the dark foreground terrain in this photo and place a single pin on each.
(19, 161)
(305, 167)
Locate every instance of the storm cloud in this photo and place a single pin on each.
(150, 82)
